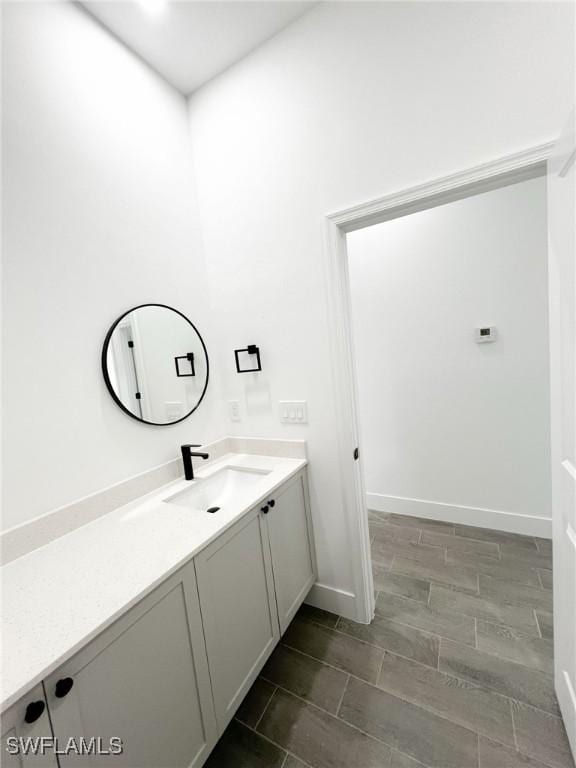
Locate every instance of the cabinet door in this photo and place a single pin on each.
(145, 681)
(238, 610)
(291, 545)
(20, 739)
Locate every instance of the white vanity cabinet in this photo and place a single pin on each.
(27, 722)
(251, 582)
(238, 605)
(291, 546)
(167, 676)
(145, 681)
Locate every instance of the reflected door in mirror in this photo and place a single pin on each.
(155, 364)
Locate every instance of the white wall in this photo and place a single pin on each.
(445, 420)
(99, 215)
(350, 102)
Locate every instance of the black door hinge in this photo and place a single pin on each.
(138, 395)
(131, 344)
(356, 454)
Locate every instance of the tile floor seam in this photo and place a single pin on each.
(359, 730)
(499, 656)
(330, 714)
(425, 707)
(267, 703)
(504, 696)
(268, 739)
(443, 716)
(429, 710)
(405, 597)
(513, 725)
(344, 693)
(447, 584)
(326, 664)
(498, 604)
(536, 709)
(537, 623)
(540, 760)
(424, 631)
(393, 622)
(514, 661)
(285, 758)
(291, 754)
(537, 587)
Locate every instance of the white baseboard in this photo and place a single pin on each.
(334, 600)
(511, 522)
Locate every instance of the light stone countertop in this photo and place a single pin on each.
(57, 598)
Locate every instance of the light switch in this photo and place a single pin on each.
(234, 410)
(173, 409)
(293, 411)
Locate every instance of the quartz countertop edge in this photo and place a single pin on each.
(58, 598)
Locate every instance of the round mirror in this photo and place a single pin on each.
(155, 364)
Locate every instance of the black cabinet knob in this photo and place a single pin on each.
(63, 687)
(34, 710)
(264, 509)
(271, 503)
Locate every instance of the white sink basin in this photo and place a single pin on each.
(219, 489)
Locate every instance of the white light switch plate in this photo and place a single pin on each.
(234, 410)
(293, 411)
(173, 409)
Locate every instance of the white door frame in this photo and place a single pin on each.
(562, 249)
(499, 173)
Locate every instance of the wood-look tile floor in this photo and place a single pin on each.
(455, 671)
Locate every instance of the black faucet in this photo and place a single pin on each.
(187, 459)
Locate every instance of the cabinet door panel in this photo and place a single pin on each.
(14, 728)
(144, 681)
(292, 550)
(238, 611)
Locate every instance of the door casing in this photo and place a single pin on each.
(501, 172)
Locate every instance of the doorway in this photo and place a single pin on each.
(532, 726)
(513, 169)
(451, 343)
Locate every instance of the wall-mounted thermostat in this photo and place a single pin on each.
(486, 333)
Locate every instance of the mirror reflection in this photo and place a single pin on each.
(155, 364)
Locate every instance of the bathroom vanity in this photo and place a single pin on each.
(150, 624)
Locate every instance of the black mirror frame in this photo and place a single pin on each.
(109, 383)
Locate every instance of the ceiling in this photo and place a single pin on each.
(189, 42)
